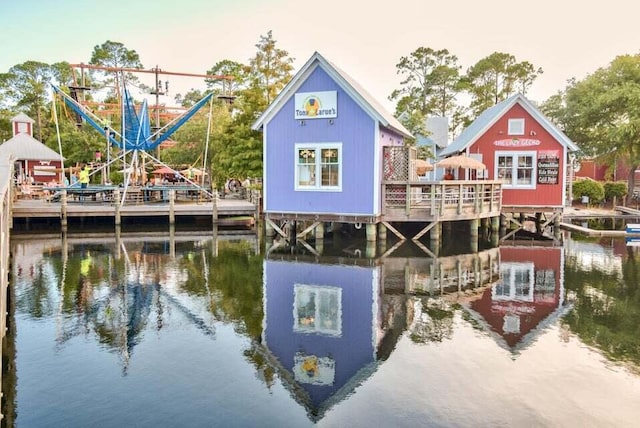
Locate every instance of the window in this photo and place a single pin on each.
(516, 127)
(317, 309)
(516, 169)
(318, 166)
(517, 282)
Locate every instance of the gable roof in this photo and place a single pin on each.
(21, 117)
(24, 147)
(353, 88)
(491, 115)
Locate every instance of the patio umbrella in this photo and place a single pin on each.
(422, 166)
(460, 161)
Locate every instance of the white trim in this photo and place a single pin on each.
(265, 194)
(318, 147)
(264, 304)
(514, 168)
(375, 307)
(377, 183)
(341, 80)
(558, 135)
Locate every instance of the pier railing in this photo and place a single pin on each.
(441, 200)
(6, 200)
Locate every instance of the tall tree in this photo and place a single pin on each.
(115, 55)
(271, 67)
(238, 151)
(602, 113)
(26, 86)
(497, 77)
(430, 85)
(238, 76)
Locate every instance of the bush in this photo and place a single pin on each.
(588, 187)
(615, 189)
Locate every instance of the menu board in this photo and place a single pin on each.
(548, 169)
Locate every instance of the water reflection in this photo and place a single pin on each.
(528, 297)
(318, 327)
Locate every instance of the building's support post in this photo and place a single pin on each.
(473, 234)
(371, 232)
(382, 233)
(495, 229)
(557, 234)
(503, 224)
(484, 228)
(319, 232)
(539, 223)
(172, 206)
(63, 211)
(435, 237)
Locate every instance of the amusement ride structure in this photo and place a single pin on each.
(135, 142)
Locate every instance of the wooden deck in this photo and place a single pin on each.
(441, 200)
(225, 209)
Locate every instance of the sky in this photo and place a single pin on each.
(366, 39)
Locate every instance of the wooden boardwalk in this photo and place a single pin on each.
(226, 210)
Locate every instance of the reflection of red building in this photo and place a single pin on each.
(528, 296)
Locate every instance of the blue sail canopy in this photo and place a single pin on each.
(137, 126)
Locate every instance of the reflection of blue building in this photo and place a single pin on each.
(321, 325)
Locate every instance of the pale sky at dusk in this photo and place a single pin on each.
(364, 38)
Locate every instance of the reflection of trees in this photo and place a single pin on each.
(232, 282)
(433, 321)
(607, 309)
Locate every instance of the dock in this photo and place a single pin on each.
(225, 212)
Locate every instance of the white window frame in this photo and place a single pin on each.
(516, 126)
(513, 184)
(319, 292)
(317, 148)
(512, 288)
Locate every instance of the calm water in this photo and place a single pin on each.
(187, 330)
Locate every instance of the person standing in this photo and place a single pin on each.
(83, 177)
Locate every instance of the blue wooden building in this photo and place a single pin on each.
(321, 328)
(334, 155)
(323, 149)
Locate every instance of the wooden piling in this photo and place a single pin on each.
(172, 206)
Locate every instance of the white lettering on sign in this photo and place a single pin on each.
(516, 142)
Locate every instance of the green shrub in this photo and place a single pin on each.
(615, 189)
(588, 187)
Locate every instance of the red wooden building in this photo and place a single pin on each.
(32, 159)
(521, 147)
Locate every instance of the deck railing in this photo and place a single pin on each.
(6, 199)
(441, 200)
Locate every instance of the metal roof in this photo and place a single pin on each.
(491, 115)
(353, 88)
(21, 117)
(24, 147)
